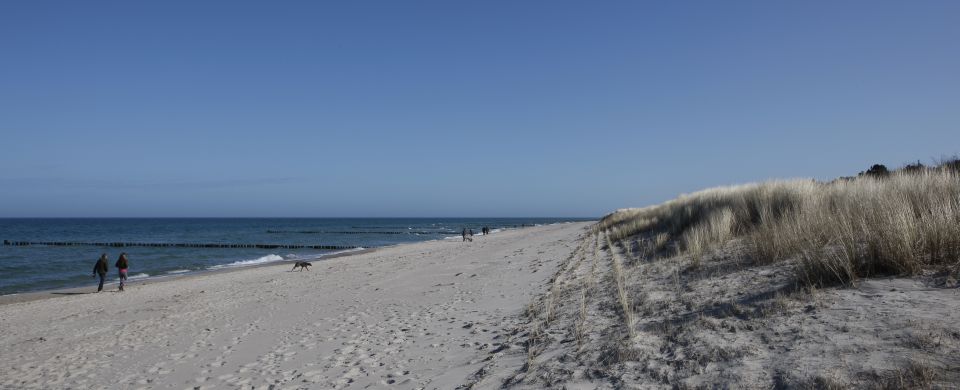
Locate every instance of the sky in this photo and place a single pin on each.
(457, 108)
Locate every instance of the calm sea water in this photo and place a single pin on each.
(38, 267)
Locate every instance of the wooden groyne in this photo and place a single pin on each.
(177, 245)
(353, 232)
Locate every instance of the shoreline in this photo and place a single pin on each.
(160, 276)
(33, 295)
(421, 315)
(29, 296)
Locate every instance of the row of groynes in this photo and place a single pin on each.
(176, 245)
(352, 232)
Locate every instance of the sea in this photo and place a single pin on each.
(177, 246)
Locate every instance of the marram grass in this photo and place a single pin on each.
(837, 231)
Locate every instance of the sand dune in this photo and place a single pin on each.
(423, 315)
(728, 324)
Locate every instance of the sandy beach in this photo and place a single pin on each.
(423, 315)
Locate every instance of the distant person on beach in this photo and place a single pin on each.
(101, 269)
(464, 234)
(470, 234)
(122, 265)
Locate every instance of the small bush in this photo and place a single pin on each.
(877, 171)
(912, 168)
(949, 164)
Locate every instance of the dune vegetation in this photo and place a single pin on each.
(875, 224)
(781, 284)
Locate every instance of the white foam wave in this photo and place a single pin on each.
(260, 260)
(357, 249)
(178, 271)
(138, 276)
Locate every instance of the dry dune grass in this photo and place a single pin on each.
(726, 286)
(610, 319)
(839, 231)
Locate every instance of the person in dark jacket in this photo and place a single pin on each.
(122, 265)
(101, 269)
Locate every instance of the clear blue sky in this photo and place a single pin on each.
(457, 108)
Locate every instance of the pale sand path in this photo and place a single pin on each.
(412, 316)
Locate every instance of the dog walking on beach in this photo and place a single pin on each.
(302, 264)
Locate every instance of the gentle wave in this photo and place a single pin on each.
(357, 249)
(178, 271)
(260, 260)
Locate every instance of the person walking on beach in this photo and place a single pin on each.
(464, 234)
(122, 265)
(101, 269)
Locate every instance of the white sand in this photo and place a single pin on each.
(422, 315)
(730, 324)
